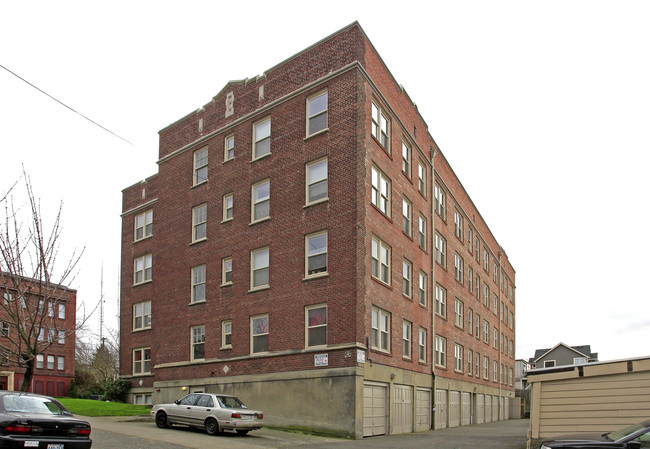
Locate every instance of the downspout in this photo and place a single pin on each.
(501, 412)
(432, 339)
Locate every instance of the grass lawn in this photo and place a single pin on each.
(87, 407)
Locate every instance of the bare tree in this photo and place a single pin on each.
(32, 283)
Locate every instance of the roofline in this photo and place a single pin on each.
(28, 279)
(571, 367)
(563, 344)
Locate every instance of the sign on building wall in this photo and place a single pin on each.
(320, 360)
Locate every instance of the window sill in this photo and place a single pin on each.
(386, 150)
(316, 276)
(380, 282)
(424, 306)
(227, 284)
(410, 237)
(196, 242)
(259, 289)
(261, 220)
(408, 298)
(197, 302)
(317, 133)
(143, 283)
(227, 160)
(142, 329)
(382, 213)
(261, 157)
(314, 203)
(226, 220)
(143, 238)
(199, 184)
(225, 348)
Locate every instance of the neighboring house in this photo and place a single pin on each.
(596, 398)
(561, 355)
(52, 322)
(521, 368)
(306, 246)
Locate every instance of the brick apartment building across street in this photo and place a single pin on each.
(51, 316)
(306, 246)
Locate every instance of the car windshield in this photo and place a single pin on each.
(622, 433)
(33, 404)
(230, 402)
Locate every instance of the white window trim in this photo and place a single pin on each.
(381, 315)
(225, 217)
(196, 223)
(257, 335)
(195, 172)
(307, 255)
(224, 325)
(253, 203)
(268, 267)
(145, 224)
(407, 340)
(223, 271)
(308, 327)
(309, 117)
(376, 194)
(309, 183)
(225, 147)
(143, 327)
(144, 259)
(194, 284)
(255, 141)
(142, 372)
(382, 247)
(422, 345)
(192, 343)
(377, 124)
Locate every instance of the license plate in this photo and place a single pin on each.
(247, 417)
(55, 446)
(31, 444)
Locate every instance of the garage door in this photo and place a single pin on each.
(488, 408)
(480, 409)
(375, 409)
(495, 408)
(402, 409)
(465, 409)
(454, 408)
(441, 409)
(423, 410)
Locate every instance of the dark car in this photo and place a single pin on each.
(32, 420)
(632, 437)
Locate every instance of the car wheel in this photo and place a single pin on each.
(212, 426)
(161, 420)
(241, 432)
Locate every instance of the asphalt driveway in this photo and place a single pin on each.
(109, 433)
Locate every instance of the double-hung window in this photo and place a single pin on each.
(406, 159)
(406, 339)
(441, 301)
(486, 331)
(407, 278)
(142, 361)
(440, 201)
(458, 225)
(316, 254)
(380, 260)
(228, 206)
(262, 138)
(199, 222)
(316, 189)
(226, 271)
(316, 325)
(143, 225)
(422, 178)
(422, 231)
(226, 334)
(458, 265)
(459, 313)
(260, 268)
(422, 345)
(198, 284)
(259, 334)
(142, 269)
(441, 351)
(486, 367)
(406, 216)
(422, 287)
(380, 126)
(261, 200)
(316, 113)
(200, 166)
(380, 329)
(142, 315)
(458, 358)
(229, 148)
(380, 191)
(441, 250)
(198, 342)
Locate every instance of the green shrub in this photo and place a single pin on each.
(116, 390)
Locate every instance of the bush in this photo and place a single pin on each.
(116, 390)
(73, 390)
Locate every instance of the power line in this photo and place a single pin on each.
(65, 105)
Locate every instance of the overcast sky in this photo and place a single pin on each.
(542, 109)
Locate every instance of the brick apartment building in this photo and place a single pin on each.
(51, 317)
(306, 246)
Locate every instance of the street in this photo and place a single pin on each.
(110, 434)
